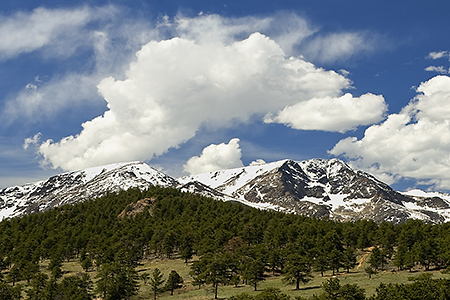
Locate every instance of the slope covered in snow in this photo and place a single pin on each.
(317, 188)
(322, 188)
(77, 186)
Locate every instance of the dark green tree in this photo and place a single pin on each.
(349, 259)
(272, 294)
(253, 271)
(14, 275)
(156, 282)
(8, 292)
(77, 287)
(39, 287)
(297, 270)
(174, 281)
(377, 258)
(213, 269)
(55, 266)
(116, 281)
(370, 271)
(333, 290)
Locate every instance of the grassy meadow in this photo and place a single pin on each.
(188, 291)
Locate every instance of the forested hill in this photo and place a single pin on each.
(109, 230)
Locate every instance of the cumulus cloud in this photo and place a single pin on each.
(414, 143)
(224, 75)
(216, 157)
(338, 114)
(176, 85)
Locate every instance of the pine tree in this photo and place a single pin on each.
(156, 281)
(297, 270)
(174, 281)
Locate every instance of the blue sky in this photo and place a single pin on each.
(192, 86)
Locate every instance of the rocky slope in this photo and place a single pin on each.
(323, 188)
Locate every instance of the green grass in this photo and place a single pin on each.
(356, 276)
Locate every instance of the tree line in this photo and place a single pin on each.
(235, 243)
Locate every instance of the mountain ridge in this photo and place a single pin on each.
(322, 188)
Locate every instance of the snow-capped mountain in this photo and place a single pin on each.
(317, 188)
(323, 188)
(78, 186)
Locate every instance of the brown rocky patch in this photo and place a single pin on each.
(134, 209)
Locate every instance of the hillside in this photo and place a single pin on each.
(101, 237)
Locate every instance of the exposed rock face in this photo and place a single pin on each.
(323, 188)
(139, 207)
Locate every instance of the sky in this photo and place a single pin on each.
(195, 86)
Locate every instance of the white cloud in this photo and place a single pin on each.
(438, 54)
(258, 162)
(176, 85)
(286, 29)
(83, 37)
(213, 71)
(216, 157)
(32, 141)
(414, 143)
(41, 100)
(338, 46)
(438, 69)
(339, 114)
(61, 31)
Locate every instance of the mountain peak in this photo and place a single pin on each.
(74, 186)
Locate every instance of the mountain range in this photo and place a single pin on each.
(318, 188)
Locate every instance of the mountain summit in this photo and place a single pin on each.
(317, 188)
(77, 186)
(323, 188)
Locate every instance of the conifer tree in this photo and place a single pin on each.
(156, 281)
(174, 281)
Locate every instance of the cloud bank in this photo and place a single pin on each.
(414, 143)
(216, 157)
(189, 72)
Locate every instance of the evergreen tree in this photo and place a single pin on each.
(253, 271)
(75, 288)
(14, 275)
(38, 287)
(156, 282)
(349, 259)
(297, 270)
(8, 292)
(116, 281)
(174, 281)
(213, 269)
